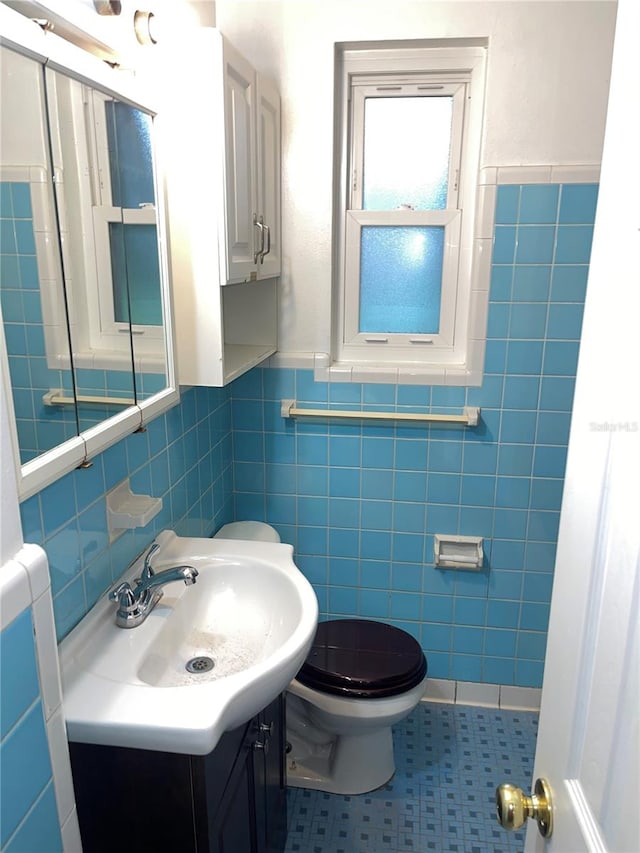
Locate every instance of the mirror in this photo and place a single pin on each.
(83, 283)
(30, 272)
(106, 206)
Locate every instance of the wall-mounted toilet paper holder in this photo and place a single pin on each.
(458, 552)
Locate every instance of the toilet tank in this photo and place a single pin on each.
(256, 531)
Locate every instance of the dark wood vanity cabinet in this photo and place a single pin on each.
(230, 801)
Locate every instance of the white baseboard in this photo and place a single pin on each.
(482, 695)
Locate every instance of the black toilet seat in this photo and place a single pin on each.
(360, 658)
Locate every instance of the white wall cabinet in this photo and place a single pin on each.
(222, 147)
(252, 127)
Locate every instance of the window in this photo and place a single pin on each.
(124, 222)
(105, 191)
(410, 138)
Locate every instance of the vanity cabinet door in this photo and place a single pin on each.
(250, 788)
(223, 795)
(270, 778)
(230, 801)
(131, 800)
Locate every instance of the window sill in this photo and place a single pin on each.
(326, 370)
(395, 375)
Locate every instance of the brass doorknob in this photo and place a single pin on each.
(513, 807)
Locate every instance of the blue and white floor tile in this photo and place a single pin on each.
(449, 760)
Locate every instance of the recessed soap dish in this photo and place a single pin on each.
(126, 510)
(458, 552)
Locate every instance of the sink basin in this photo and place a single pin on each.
(206, 659)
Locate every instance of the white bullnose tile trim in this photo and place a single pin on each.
(524, 174)
(417, 376)
(71, 841)
(482, 695)
(47, 649)
(371, 373)
(488, 175)
(14, 592)
(575, 174)
(440, 690)
(578, 173)
(293, 360)
(520, 698)
(485, 212)
(33, 575)
(36, 565)
(62, 779)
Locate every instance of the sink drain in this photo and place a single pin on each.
(199, 665)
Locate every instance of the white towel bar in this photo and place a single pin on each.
(469, 417)
(57, 398)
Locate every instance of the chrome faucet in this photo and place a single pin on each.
(135, 604)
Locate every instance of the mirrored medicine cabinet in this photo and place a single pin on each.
(88, 352)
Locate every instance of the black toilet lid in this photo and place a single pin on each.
(361, 658)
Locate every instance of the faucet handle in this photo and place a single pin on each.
(147, 571)
(123, 594)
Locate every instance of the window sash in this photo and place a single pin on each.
(387, 86)
(355, 221)
(111, 331)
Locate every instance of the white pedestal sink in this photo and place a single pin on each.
(251, 611)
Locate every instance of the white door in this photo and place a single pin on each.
(268, 174)
(588, 747)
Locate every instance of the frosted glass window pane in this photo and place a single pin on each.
(136, 274)
(401, 279)
(406, 152)
(130, 156)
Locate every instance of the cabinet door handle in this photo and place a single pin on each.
(263, 745)
(258, 222)
(267, 231)
(267, 728)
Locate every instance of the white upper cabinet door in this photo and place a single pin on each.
(243, 240)
(268, 176)
(252, 184)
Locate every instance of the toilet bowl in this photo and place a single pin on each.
(360, 678)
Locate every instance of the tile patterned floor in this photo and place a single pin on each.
(449, 759)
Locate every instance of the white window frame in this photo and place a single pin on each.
(104, 328)
(99, 342)
(459, 71)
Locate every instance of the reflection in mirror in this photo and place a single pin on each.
(84, 270)
(107, 210)
(136, 281)
(30, 268)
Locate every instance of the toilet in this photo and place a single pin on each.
(360, 678)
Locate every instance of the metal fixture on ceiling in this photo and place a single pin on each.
(108, 7)
(145, 25)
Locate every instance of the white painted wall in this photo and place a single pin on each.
(548, 77)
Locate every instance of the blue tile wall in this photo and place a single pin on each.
(361, 504)
(39, 427)
(184, 457)
(27, 800)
